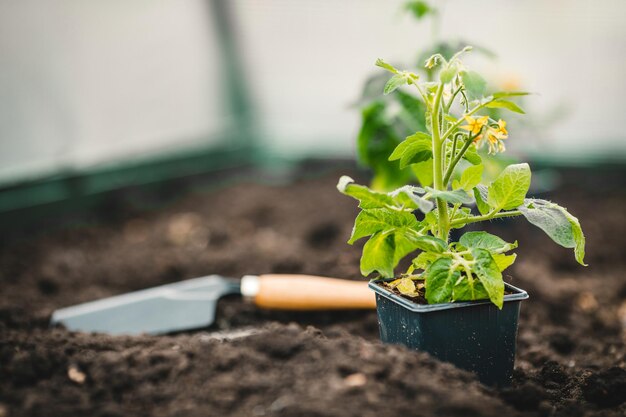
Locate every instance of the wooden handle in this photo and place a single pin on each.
(307, 292)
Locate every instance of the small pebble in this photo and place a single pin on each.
(355, 380)
(76, 375)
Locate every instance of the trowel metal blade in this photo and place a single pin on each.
(168, 308)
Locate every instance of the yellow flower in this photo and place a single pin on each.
(502, 128)
(495, 136)
(475, 125)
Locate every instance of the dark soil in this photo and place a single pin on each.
(571, 348)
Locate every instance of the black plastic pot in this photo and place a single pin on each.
(473, 335)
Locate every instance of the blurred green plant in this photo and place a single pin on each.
(453, 123)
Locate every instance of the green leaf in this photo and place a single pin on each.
(429, 243)
(370, 221)
(381, 63)
(406, 241)
(471, 155)
(504, 261)
(501, 94)
(415, 148)
(407, 196)
(424, 259)
(367, 198)
(466, 290)
(440, 279)
(454, 197)
(475, 84)
(423, 171)
(484, 240)
(471, 177)
(558, 223)
(505, 104)
(489, 275)
(480, 194)
(509, 189)
(394, 82)
(378, 255)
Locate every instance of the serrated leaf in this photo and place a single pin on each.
(368, 199)
(370, 221)
(505, 104)
(509, 189)
(504, 261)
(475, 84)
(423, 171)
(471, 177)
(501, 94)
(378, 255)
(394, 83)
(484, 240)
(415, 148)
(440, 279)
(454, 197)
(381, 63)
(558, 223)
(489, 275)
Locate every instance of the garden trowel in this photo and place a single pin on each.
(191, 304)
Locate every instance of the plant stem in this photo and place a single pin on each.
(456, 160)
(447, 106)
(489, 216)
(442, 206)
(452, 153)
(422, 94)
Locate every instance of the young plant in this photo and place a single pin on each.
(413, 218)
(387, 119)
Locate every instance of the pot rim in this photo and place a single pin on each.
(518, 295)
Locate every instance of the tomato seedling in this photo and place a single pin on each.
(446, 159)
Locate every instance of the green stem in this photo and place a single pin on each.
(422, 94)
(442, 206)
(489, 216)
(456, 160)
(465, 102)
(447, 107)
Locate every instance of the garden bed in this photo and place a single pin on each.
(571, 344)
